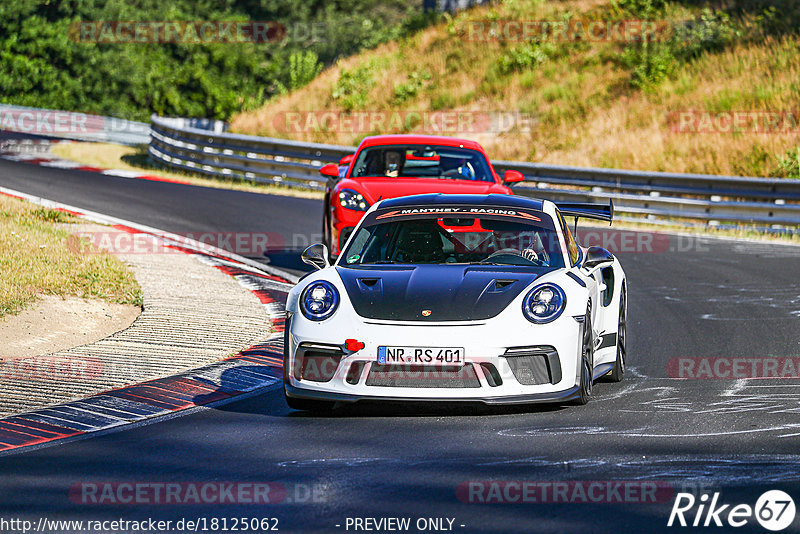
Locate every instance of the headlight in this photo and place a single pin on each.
(352, 200)
(319, 300)
(544, 304)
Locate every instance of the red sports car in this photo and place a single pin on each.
(388, 166)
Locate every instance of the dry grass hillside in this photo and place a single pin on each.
(606, 102)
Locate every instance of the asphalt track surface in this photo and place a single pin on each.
(689, 298)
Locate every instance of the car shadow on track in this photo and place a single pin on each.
(265, 397)
(368, 409)
(288, 259)
(272, 402)
(235, 381)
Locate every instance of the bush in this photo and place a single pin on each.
(303, 67)
(640, 8)
(789, 164)
(352, 88)
(411, 88)
(419, 21)
(649, 64)
(443, 100)
(523, 57)
(652, 62)
(711, 32)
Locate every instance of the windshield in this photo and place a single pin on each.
(523, 239)
(422, 161)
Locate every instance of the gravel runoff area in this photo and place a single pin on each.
(193, 315)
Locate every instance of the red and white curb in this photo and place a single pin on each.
(259, 367)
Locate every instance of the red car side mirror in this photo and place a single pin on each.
(345, 161)
(511, 176)
(331, 170)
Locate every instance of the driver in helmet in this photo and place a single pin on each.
(528, 245)
(394, 163)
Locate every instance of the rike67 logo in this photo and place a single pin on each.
(774, 510)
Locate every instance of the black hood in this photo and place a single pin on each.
(448, 292)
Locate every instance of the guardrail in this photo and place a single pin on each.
(25, 146)
(77, 126)
(180, 143)
(189, 145)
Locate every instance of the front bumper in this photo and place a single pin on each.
(530, 398)
(490, 374)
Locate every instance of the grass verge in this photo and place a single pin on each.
(35, 259)
(111, 156)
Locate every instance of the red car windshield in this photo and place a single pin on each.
(422, 161)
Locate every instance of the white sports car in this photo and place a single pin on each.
(457, 298)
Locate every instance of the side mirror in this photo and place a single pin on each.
(331, 170)
(316, 256)
(597, 258)
(345, 161)
(512, 176)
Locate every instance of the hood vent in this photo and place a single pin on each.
(369, 284)
(498, 285)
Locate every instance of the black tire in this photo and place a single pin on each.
(618, 372)
(327, 240)
(309, 405)
(326, 236)
(587, 363)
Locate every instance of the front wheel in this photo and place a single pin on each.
(587, 363)
(326, 230)
(618, 372)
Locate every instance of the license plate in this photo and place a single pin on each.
(420, 355)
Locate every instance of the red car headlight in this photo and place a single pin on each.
(353, 200)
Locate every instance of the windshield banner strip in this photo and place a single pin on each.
(459, 211)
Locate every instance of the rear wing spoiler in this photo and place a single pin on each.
(586, 210)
